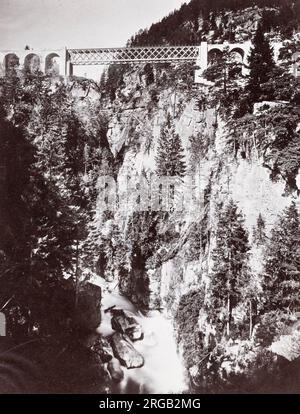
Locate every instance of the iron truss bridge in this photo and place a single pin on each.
(106, 56)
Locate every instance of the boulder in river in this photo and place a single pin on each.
(115, 370)
(135, 332)
(126, 324)
(125, 352)
(103, 348)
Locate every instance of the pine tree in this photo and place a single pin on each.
(170, 154)
(148, 71)
(38, 234)
(282, 267)
(259, 233)
(51, 204)
(261, 64)
(229, 274)
(225, 72)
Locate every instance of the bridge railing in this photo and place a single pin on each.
(133, 55)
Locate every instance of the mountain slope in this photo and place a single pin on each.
(220, 20)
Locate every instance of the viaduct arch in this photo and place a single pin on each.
(47, 61)
(11, 62)
(238, 51)
(52, 64)
(32, 63)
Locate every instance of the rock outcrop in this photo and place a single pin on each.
(125, 352)
(88, 312)
(125, 324)
(115, 370)
(103, 349)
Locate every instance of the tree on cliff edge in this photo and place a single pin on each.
(225, 71)
(261, 64)
(230, 273)
(281, 282)
(170, 156)
(259, 231)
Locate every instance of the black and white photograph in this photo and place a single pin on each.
(149, 199)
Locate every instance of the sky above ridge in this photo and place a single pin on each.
(77, 23)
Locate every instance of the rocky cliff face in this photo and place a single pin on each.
(176, 268)
(135, 122)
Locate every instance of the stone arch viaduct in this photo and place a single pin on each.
(61, 61)
(46, 61)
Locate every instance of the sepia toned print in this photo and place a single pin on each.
(149, 199)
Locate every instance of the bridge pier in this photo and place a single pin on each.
(201, 62)
(69, 68)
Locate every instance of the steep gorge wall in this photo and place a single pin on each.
(134, 131)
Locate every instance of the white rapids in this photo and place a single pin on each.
(163, 369)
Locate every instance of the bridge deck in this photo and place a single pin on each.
(133, 55)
